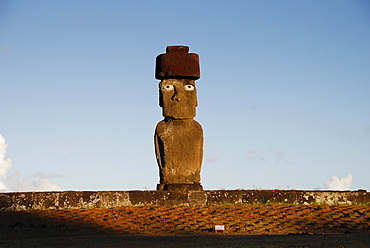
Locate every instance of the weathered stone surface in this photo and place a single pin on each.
(217, 197)
(45, 200)
(179, 151)
(197, 198)
(178, 138)
(171, 198)
(266, 196)
(178, 98)
(22, 201)
(333, 197)
(108, 199)
(177, 63)
(180, 186)
(142, 198)
(6, 201)
(77, 199)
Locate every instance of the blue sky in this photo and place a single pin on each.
(283, 94)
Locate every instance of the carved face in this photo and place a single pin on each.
(178, 98)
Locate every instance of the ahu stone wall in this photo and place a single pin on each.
(107, 199)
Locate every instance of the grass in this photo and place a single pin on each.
(290, 220)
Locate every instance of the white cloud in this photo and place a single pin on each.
(17, 182)
(37, 182)
(45, 184)
(3, 186)
(5, 164)
(343, 183)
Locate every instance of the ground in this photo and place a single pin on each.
(260, 225)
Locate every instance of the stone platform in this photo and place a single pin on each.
(108, 199)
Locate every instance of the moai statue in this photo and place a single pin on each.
(178, 138)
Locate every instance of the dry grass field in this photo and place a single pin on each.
(260, 225)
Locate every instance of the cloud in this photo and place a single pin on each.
(278, 155)
(37, 182)
(336, 183)
(5, 164)
(17, 182)
(45, 184)
(254, 155)
(270, 156)
(3, 186)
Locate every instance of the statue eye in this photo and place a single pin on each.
(189, 87)
(167, 87)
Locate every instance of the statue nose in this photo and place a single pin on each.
(178, 96)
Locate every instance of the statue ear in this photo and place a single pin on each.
(160, 98)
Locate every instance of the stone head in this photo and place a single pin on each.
(178, 69)
(178, 98)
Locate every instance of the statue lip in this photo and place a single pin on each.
(170, 118)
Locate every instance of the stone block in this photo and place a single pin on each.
(220, 197)
(197, 198)
(140, 198)
(177, 63)
(108, 199)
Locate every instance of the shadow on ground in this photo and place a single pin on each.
(171, 227)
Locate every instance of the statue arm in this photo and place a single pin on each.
(157, 149)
